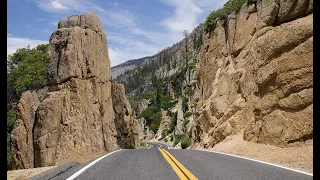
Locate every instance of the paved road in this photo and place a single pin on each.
(159, 162)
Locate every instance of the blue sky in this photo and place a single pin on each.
(134, 28)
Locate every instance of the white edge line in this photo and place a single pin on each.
(89, 165)
(256, 161)
(150, 146)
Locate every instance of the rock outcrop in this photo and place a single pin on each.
(256, 75)
(126, 125)
(180, 120)
(80, 111)
(22, 134)
(144, 131)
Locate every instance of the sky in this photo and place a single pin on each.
(134, 28)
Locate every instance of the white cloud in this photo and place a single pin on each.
(132, 41)
(47, 31)
(52, 22)
(129, 48)
(14, 43)
(210, 5)
(58, 5)
(184, 17)
(114, 4)
(110, 17)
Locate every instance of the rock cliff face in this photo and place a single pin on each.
(256, 75)
(80, 111)
(127, 127)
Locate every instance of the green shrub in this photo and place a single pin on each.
(177, 139)
(187, 114)
(185, 141)
(130, 147)
(167, 102)
(175, 101)
(192, 65)
(155, 122)
(11, 119)
(252, 1)
(222, 13)
(193, 84)
(173, 122)
(143, 144)
(165, 140)
(210, 22)
(147, 113)
(188, 91)
(171, 137)
(185, 104)
(185, 122)
(179, 76)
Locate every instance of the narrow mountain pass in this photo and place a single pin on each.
(160, 162)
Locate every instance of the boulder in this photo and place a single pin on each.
(267, 13)
(293, 9)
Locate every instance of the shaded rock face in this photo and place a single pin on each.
(126, 125)
(76, 113)
(256, 76)
(144, 130)
(180, 127)
(21, 136)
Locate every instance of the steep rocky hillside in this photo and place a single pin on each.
(124, 67)
(250, 73)
(166, 63)
(80, 112)
(255, 74)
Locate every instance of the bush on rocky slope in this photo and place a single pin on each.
(222, 13)
(184, 139)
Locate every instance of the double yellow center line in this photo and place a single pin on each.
(179, 169)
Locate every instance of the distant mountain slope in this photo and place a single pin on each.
(128, 65)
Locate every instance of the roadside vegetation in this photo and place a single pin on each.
(144, 144)
(159, 101)
(184, 139)
(130, 147)
(27, 69)
(222, 13)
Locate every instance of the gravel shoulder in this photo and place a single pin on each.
(299, 157)
(23, 174)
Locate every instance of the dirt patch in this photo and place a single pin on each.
(24, 174)
(298, 157)
(82, 158)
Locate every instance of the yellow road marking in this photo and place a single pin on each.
(174, 167)
(185, 170)
(180, 170)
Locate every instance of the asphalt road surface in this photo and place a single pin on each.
(159, 162)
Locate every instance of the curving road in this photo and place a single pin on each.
(159, 162)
